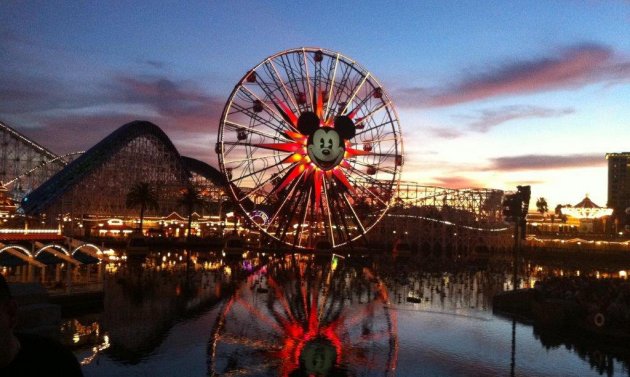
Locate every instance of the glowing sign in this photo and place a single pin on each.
(260, 217)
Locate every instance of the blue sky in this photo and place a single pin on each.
(489, 94)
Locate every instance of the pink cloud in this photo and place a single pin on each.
(572, 67)
(456, 182)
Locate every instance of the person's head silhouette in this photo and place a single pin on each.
(8, 320)
(27, 354)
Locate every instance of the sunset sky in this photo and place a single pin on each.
(489, 93)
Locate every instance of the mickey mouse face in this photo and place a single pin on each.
(326, 145)
(326, 148)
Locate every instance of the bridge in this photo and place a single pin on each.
(47, 262)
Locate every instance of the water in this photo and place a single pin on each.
(300, 318)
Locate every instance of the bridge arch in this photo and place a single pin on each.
(52, 246)
(88, 245)
(16, 247)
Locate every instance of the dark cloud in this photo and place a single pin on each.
(445, 133)
(488, 119)
(181, 105)
(545, 162)
(27, 94)
(572, 67)
(76, 133)
(155, 64)
(64, 120)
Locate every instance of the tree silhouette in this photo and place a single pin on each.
(541, 204)
(191, 198)
(142, 195)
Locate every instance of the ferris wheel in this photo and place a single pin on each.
(311, 139)
(297, 320)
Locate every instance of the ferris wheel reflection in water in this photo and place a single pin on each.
(301, 319)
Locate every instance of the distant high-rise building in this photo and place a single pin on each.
(619, 185)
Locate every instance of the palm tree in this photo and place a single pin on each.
(541, 204)
(191, 198)
(142, 195)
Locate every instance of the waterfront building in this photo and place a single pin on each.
(587, 216)
(87, 198)
(583, 217)
(619, 187)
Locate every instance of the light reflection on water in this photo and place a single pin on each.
(389, 319)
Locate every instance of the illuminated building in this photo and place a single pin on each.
(87, 198)
(90, 191)
(7, 207)
(587, 216)
(619, 186)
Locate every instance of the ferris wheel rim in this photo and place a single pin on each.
(393, 182)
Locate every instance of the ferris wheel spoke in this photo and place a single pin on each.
(361, 174)
(304, 210)
(325, 200)
(378, 169)
(282, 298)
(285, 222)
(258, 314)
(331, 80)
(248, 341)
(373, 195)
(228, 162)
(275, 76)
(359, 121)
(261, 185)
(354, 214)
(282, 204)
(280, 118)
(254, 172)
(355, 109)
(308, 81)
(271, 92)
(286, 113)
(292, 78)
(337, 214)
(238, 127)
(342, 83)
(276, 125)
(317, 95)
(375, 127)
